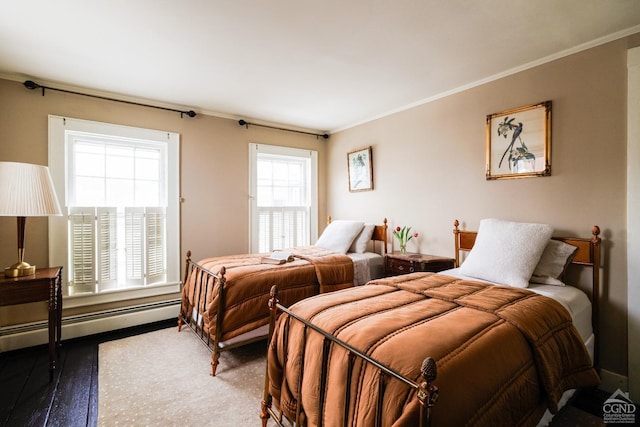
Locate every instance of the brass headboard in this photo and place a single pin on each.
(588, 254)
(380, 235)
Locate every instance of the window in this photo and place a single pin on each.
(119, 189)
(283, 197)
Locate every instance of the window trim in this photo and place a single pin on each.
(58, 241)
(254, 149)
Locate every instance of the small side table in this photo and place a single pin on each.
(398, 263)
(44, 285)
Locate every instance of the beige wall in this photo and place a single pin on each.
(214, 171)
(429, 168)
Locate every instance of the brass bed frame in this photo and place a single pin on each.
(588, 254)
(209, 279)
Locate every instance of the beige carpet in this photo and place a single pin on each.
(162, 379)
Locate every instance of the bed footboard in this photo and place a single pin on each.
(426, 391)
(205, 283)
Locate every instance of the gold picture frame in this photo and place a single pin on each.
(519, 142)
(360, 169)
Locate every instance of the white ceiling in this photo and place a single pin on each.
(318, 65)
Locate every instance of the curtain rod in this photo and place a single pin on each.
(30, 84)
(246, 124)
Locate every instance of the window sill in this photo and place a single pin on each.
(73, 301)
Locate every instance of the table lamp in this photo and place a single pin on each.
(25, 190)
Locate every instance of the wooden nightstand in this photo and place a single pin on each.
(399, 263)
(44, 285)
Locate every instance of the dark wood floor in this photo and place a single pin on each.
(27, 398)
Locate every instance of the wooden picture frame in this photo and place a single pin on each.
(360, 169)
(519, 142)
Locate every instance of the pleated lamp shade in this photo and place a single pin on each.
(27, 190)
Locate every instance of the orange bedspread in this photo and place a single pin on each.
(503, 354)
(249, 282)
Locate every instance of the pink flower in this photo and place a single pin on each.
(403, 234)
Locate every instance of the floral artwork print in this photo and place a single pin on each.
(519, 142)
(516, 153)
(360, 170)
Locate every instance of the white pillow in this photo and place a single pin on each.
(359, 245)
(339, 235)
(556, 257)
(506, 252)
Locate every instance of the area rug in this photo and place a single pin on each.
(162, 378)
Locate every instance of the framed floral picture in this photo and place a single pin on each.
(360, 169)
(519, 142)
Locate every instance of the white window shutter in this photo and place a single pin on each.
(264, 228)
(134, 242)
(302, 225)
(155, 230)
(82, 248)
(277, 230)
(107, 248)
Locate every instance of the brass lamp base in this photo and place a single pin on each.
(20, 269)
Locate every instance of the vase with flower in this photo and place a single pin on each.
(403, 234)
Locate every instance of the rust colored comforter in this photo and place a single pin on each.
(504, 355)
(248, 283)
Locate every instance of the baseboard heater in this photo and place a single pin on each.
(14, 337)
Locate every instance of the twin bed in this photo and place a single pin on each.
(225, 299)
(377, 355)
(501, 350)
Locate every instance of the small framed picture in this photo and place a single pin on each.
(519, 142)
(360, 169)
